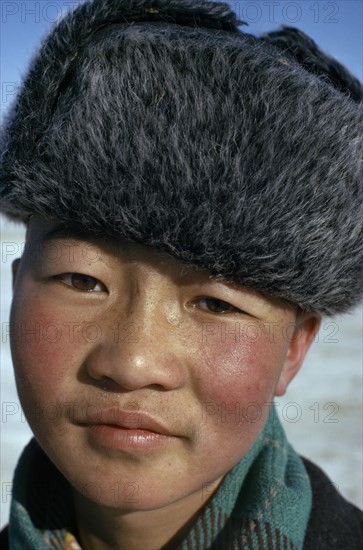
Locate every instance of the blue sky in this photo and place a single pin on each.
(336, 26)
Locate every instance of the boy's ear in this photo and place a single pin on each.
(306, 327)
(14, 269)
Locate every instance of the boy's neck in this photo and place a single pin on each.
(104, 528)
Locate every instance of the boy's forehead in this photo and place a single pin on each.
(41, 231)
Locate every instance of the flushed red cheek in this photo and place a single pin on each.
(45, 359)
(237, 379)
(43, 345)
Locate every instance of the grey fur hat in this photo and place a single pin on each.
(162, 122)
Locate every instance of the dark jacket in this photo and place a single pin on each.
(334, 524)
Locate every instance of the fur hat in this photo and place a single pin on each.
(162, 122)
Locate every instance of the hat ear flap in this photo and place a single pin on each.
(297, 45)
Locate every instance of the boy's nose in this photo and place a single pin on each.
(137, 358)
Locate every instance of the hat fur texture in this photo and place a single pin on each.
(162, 122)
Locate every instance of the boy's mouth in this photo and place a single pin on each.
(115, 428)
(125, 419)
(116, 437)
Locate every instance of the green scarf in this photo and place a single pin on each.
(263, 503)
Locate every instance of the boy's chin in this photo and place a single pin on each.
(138, 481)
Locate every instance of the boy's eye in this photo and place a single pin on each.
(215, 306)
(82, 282)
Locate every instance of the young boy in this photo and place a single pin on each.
(192, 197)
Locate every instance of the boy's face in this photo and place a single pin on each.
(143, 380)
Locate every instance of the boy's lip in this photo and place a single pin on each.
(126, 419)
